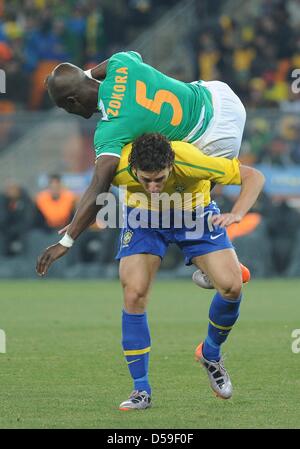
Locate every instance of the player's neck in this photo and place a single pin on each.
(93, 87)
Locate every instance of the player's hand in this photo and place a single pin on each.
(49, 256)
(224, 220)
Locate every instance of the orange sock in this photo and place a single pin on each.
(246, 276)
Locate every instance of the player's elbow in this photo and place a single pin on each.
(105, 169)
(259, 178)
(250, 174)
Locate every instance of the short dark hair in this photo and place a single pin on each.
(151, 152)
(54, 177)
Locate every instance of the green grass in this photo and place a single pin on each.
(64, 366)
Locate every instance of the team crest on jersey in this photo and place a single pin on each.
(179, 188)
(127, 238)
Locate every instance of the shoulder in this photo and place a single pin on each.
(185, 151)
(125, 153)
(125, 56)
(122, 175)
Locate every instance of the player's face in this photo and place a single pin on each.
(153, 182)
(73, 106)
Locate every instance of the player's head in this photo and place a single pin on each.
(55, 185)
(151, 160)
(72, 90)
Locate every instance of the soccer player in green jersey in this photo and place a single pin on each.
(134, 98)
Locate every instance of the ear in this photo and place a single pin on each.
(46, 81)
(71, 100)
(133, 171)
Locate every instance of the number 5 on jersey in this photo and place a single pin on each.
(162, 96)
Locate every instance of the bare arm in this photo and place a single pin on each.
(86, 212)
(87, 209)
(252, 184)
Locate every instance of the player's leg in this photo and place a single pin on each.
(223, 269)
(202, 280)
(136, 274)
(140, 253)
(222, 138)
(201, 277)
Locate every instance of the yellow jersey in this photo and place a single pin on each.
(190, 178)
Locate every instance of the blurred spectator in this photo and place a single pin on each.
(295, 145)
(247, 225)
(293, 8)
(283, 225)
(35, 35)
(56, 204)
(277, 152)
(208, 57)
(256, 58)
(16, 218)
(96, 38)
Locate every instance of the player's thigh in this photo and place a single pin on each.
(137, 273)
(223, 269)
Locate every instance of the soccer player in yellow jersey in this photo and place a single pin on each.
(153, 165)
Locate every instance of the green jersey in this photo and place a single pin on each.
(135, 99)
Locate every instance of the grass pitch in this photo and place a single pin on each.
(64, 366)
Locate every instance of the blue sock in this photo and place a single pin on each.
(223, 313)
(136, 345)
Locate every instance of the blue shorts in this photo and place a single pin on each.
(149, 240)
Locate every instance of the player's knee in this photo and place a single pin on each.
(232, 289)
(134, 299)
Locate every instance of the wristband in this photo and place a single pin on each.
(66, 241)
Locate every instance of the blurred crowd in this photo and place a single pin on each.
(29, 224)
(36, 35)
(272, 139)
(51, 209)
(256, 56)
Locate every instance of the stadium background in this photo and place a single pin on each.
(254, 47)
(63, 366)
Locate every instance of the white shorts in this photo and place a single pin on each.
(224, 133)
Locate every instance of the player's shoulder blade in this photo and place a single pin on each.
(184, 150)
(125, 57)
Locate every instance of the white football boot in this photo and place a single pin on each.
(202, 280)
(217, 374)
(138, 400)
